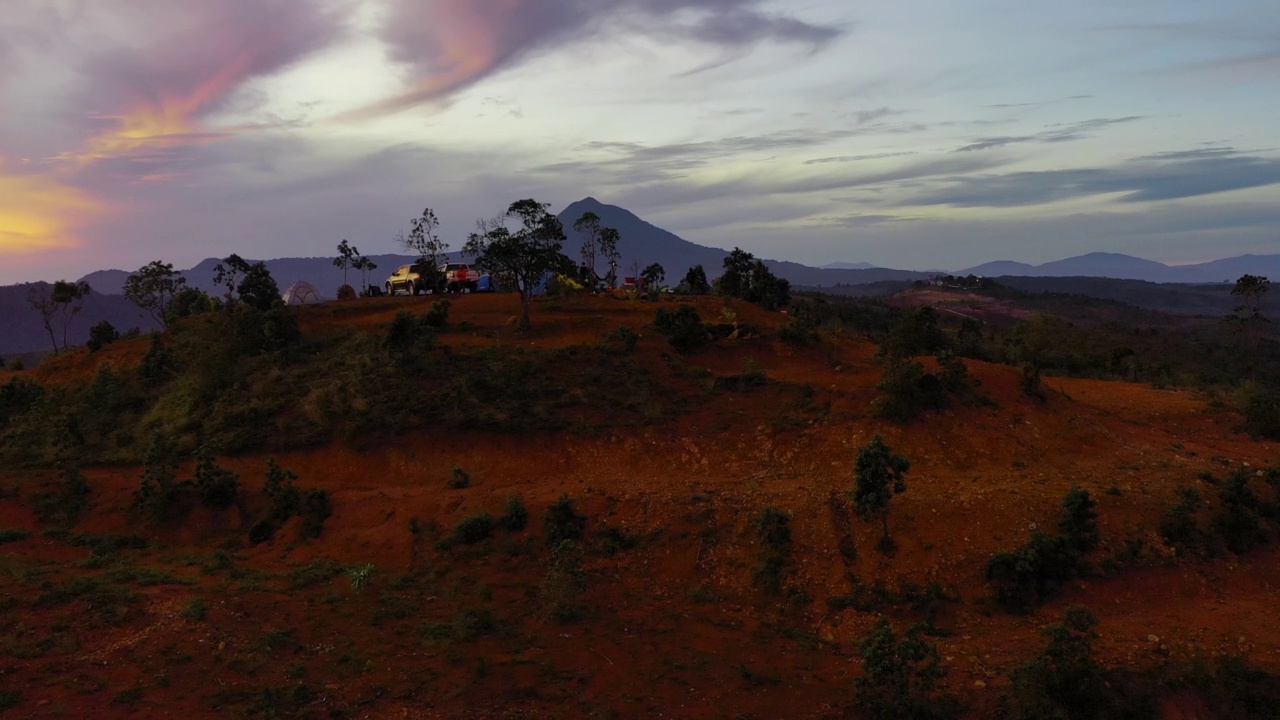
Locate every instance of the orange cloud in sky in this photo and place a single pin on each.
(172, 122)
(464, 35)
(39, 213)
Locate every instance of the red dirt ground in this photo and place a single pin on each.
(674, 626)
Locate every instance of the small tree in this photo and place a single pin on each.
(521, 259)
(695, 281)
(365, 265)
(258, 289)
(59, 306)
(1248, 314)
(588, 226)
(347, 257)
(879, 475)
(228, 273)
(750, 279)
(102, 335)
(423, 239)
(1079, 521)
(153, 288)
(902, 676)
(609, 239)
(653, 275)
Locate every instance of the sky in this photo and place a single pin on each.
(916, 134)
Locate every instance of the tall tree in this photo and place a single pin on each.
(258, 289)
(365, 265)
(750, 279)
(228, 273)
(653, 275)
(1248, 314)
(520, 259)
(424, 240)
(609, 239)
(588, 227)
(695, 281)
(347, 256)
(879, 475)
(58, 305)
(153, 288)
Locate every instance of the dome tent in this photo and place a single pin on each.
(302, 293)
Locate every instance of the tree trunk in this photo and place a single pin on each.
(526, 298)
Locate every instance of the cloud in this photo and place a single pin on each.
(1170, 176)
(39, 213)
(450, 45)
(858, 158)
(1060, 132)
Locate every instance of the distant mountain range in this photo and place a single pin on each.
(1127, 267)
(642, 244)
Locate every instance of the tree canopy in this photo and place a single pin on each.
(153, 289)
(520, 259)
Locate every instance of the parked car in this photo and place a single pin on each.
(460, 277)
(407, 278)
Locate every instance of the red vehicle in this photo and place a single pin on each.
(459, 277)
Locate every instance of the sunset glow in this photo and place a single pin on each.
(813, 132)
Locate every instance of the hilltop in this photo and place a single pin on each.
(670, 459)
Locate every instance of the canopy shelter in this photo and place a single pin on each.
(302, 293)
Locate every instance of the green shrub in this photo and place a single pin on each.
(101, 335)
(196, 611)
(11, 536)
(682, 327)
(159, 491)
(562, 521)
(459, 479)
(438, 316)
(620, 341)
(218, 487)
(474, 529)
(516, 516)
(1079, 521)
(564, 583)
(908, 391)
(901, 677)
(1065, 681)
(1238, 522)
(1030, 383)
(316, 508)
(314, 573)
(1179, 528)
(158, 364)
(17, 397)
(773, 532)
(1262, 413)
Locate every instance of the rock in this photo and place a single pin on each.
(1153, 638)
(979, 684)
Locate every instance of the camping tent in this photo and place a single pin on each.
(302, 293)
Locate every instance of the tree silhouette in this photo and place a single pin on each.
(879, 476)
(59, 304)
(520, 259)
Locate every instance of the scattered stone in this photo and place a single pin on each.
(1153, 638)
(979, 684)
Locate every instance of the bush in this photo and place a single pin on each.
(901, 676)
(157, 365)
(1030, 383)
(407, 336)
(9, 536)
(1179, 528)
(1238, 522)
(516, 516)
(218, 487)
(101, 335)
(564, 583)
(459, 479)
(620, 341)
(908, 391)
(1262, 414)
(438, 316)
(682, 327)
(1065, 681)
(773, 531)
(474, 529)
(316, 508)
(17, 397)
(563, 522)
(1024, 578)
(1079, 521)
